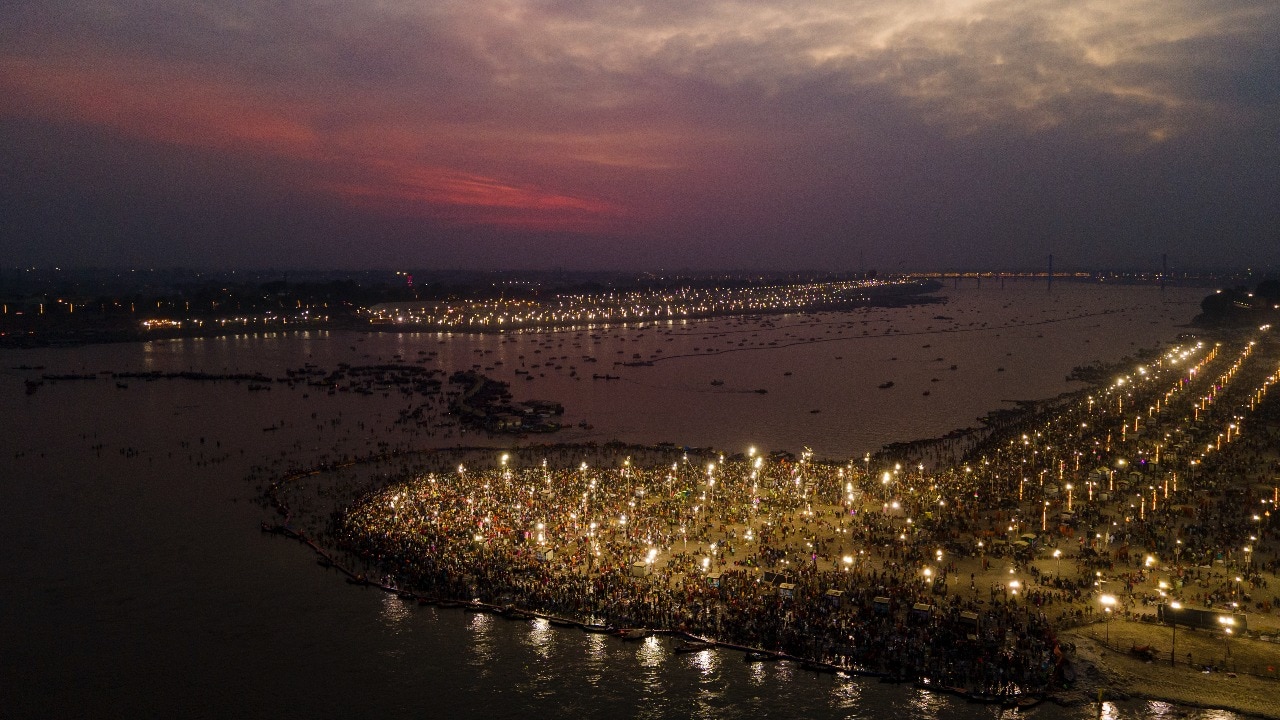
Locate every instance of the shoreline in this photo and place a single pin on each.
(1108, 671)
(1121, 678)
(92, 332)
(492, 569)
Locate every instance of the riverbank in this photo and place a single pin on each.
(1115, 675)
(861, 567)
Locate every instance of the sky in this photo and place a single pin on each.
(667, 134)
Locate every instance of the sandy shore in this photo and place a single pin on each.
(1123, 677)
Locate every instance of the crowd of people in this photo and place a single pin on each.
(1159, 485)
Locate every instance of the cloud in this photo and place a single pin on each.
(715, 121)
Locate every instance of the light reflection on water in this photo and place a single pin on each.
(925, 704)
(394, 612)
(713, 689)
(651, 653)
(541, 637)
(846, 694)
(707, 662)
(482, 655)
(595, 648)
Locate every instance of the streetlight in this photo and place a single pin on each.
(1173, 622)
(1227, 623)
(1107, 601)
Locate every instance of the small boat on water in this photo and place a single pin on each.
(1026, 702)
(692, 646)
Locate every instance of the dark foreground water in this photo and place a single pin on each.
(136, 583)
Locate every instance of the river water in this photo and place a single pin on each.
(136, 582)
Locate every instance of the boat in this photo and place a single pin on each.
(1026, 702)
(692, 646)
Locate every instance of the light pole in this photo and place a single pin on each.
(1227, 623)
(1107, 601)
(1173, 622)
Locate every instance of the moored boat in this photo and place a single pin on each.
(692, 646)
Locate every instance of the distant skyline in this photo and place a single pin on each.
(583, 135)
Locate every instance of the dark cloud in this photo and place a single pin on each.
(590, 133)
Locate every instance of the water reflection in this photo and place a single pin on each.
(651, 656)
(707, 662)
(597, 656)
(926, 704)
(482, 655)
(541, 635)
(846, 693)
(651, 653)
(394, 612)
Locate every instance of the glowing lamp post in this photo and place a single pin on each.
(1228, 623)
(1107, 602)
